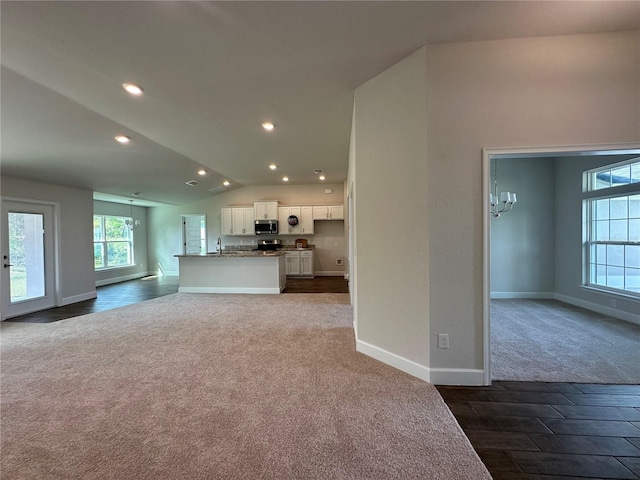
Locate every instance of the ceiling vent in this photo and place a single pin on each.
(319, 171)
(217, 189)
(192, 183)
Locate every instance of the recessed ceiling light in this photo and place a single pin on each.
(273, 166)
(268, 126)
(122, 139)
(133, 89)
(202, 171)
(285, 179)
(322, 177)
(226, 183)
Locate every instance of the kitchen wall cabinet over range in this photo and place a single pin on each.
(305, 220)
(237, 220)
(299, 263)
(328, 212)
(265, 210)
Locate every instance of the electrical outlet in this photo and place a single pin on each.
(443, 340)
(338, 261)
(613, 303)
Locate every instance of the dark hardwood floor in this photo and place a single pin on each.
(551, 431)
(521, 430)
(317, 285)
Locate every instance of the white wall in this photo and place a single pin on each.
(140, 256)
(75, 267)
(548, 91)
(391, 269)
(564, 90)
(523, 240)
(165, 230)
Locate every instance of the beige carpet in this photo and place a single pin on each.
(218, 387)
(551, 341)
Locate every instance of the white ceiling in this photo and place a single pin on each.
(212, 72)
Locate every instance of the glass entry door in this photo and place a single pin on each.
(27, 258)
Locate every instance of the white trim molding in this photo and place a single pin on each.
(611, 312)
(438, 376)
(330, 273)
(457, 376)
(79, 298)
(123, 278)
(393, 360)
(524, 295)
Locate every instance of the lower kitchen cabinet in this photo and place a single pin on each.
(293, 263)
(299, 263)
(306, 263)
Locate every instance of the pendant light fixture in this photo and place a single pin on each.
(500, 203)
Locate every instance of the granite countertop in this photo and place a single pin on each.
(235, 254)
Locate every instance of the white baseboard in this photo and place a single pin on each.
(612, 312)
(329, 273)
(457, 376)
(228, 290)
(396, 361)
(124, 278)
(438, 376)
(533, 295)
(78, 298)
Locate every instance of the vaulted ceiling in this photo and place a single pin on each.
(212, 72)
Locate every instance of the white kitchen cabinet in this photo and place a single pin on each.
(242, 218)
(226, 220)
(299, 263)
(328, 212)
(265, 210)
(306, 220)
(283, 221)
(292, 260)
(237, 220)
(306, 263)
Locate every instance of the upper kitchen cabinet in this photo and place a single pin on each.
(303, 225)
(265, 210)
(243, 221)
(329, 212)
(306, 220)
(237, 220)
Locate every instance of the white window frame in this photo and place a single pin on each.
(104, 242)
(590, 196)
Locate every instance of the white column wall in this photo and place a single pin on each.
(391, 216)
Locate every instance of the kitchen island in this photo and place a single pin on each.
(232, 272)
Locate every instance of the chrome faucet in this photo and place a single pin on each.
(219, 246)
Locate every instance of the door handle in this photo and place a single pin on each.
(7, 265)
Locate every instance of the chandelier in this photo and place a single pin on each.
(500, 203)
(130, 222)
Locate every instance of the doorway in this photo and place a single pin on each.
(28, 267)
(507, 153)
(194, 234)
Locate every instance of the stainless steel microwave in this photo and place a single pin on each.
(266, 226)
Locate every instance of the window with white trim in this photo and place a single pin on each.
(112, 242)
(612, 227)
